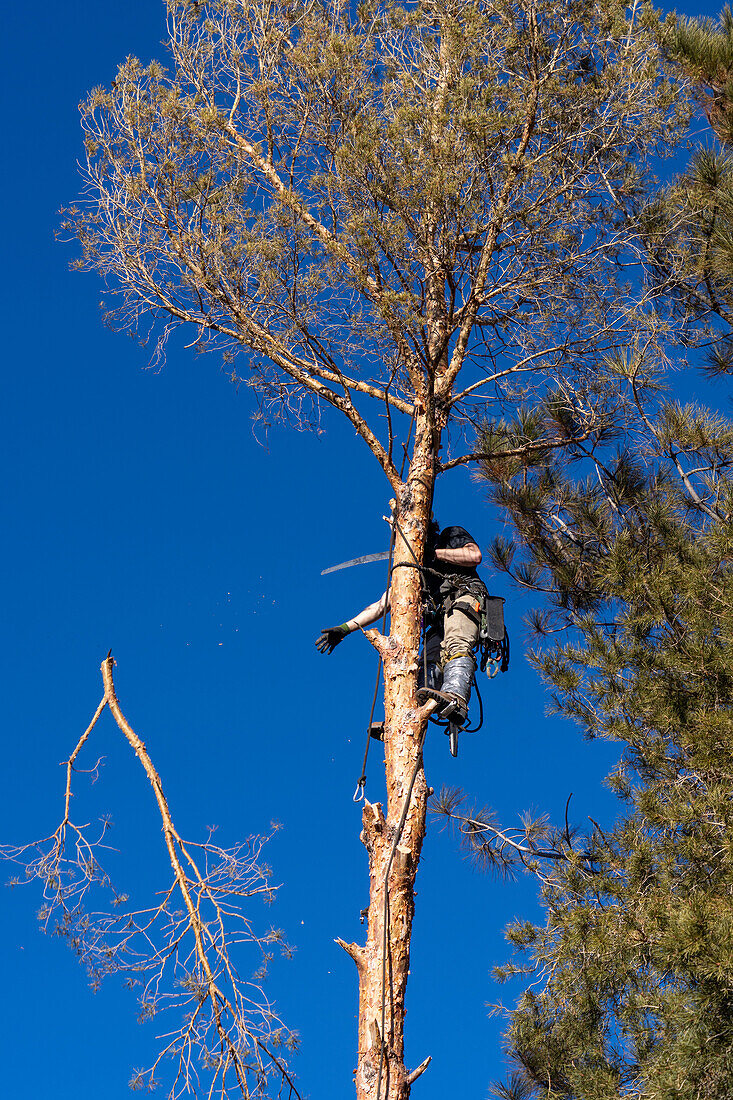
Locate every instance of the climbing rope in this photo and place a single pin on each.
(408, 797)
(385, 911)
(427, 600)
(429, 604)
(475, 729)
(359, 793)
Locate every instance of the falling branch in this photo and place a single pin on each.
(227, 1028)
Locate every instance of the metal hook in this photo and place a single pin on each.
(494, 667)
(360, 790)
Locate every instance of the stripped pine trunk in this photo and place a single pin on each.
(383, 963)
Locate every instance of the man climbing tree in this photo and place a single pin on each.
(455, 620)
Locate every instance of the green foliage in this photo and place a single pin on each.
(689, 228)
(631, 989)
(704, 48)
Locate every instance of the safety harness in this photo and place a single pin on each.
(493, 638)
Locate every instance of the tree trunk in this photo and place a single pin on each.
(383, 962)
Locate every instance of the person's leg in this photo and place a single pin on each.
(460, 638)
(430, 662)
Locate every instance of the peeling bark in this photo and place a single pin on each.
(393, 836)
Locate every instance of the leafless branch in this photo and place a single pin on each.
(222, 1035)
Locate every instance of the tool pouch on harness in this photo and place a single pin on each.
(493, 636)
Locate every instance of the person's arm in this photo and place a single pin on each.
(330, 636)
(463, 555)
(370, 614)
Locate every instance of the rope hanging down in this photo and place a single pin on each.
(415, 564)
(359, 793)
(361, 785)
(385, 912)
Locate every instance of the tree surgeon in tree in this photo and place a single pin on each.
(454, 598)
(399, 212)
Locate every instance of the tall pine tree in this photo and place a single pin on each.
(632, 973)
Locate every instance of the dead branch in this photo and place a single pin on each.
(418, 1072)
(221, 1031)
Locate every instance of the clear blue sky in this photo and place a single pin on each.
(141, 513)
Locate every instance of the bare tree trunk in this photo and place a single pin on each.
(394, 840)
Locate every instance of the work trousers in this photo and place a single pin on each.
(459, 633)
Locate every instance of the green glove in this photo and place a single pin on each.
(330, 637)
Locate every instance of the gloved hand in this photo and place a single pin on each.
(330, 637)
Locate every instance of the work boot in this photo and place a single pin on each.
(431, 690)
(434, 673)
(450, 706)
(456, 688)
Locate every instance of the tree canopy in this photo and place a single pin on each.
(359, 204)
